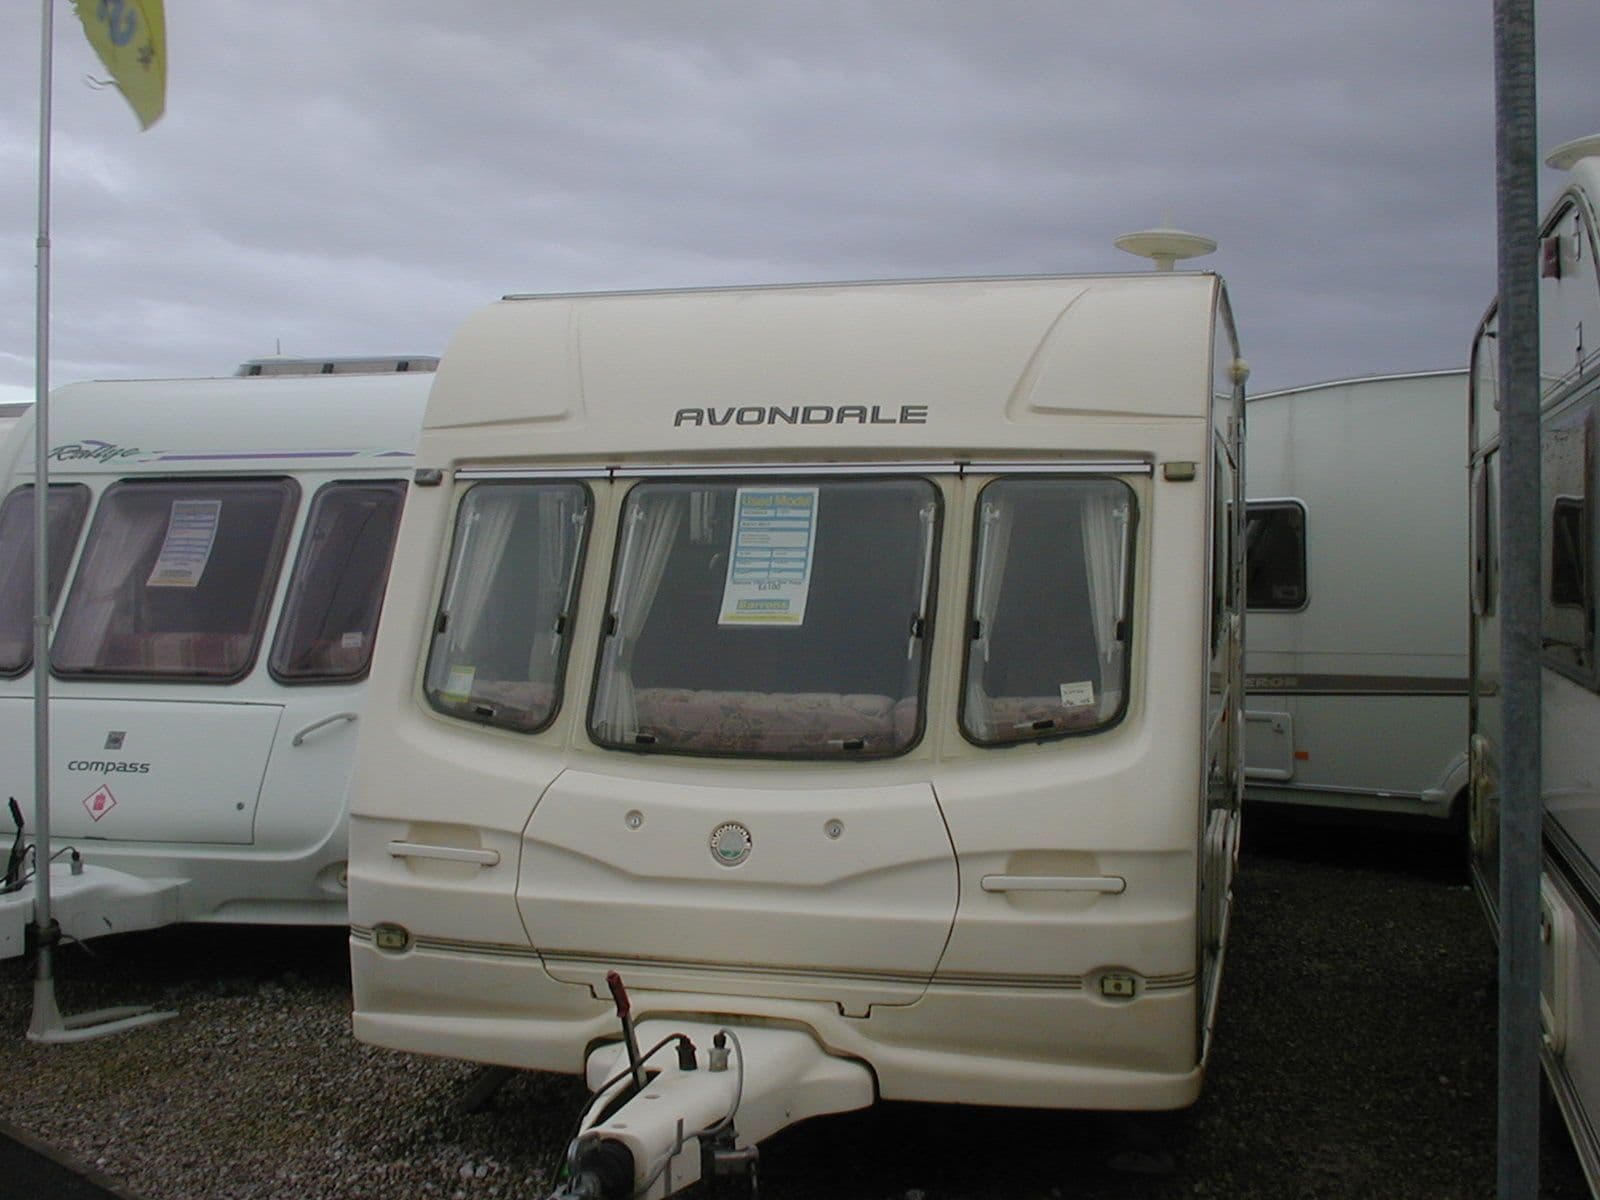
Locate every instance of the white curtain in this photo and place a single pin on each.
(1104, 519)
(559, 526)
(996, 517)
(124, 539)
(492, 513)
(651, 528)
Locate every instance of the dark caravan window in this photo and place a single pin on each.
(1047, 627)
(175, 579)
(1275, 555)
(331, 616)
(1567, 616)
(762, 618)
(500, 640)
(69, 503)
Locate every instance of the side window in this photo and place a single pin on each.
(1048, 626)
(175, 579)
(1223, 585)
(331, 616)
(69, 503)
(500, 640)
(1567, 607)
(1485, 535)
(1275, 555)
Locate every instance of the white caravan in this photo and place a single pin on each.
(851, 671)
(1569, 319)
(219, 548)
(9, 415)
(1356, 529)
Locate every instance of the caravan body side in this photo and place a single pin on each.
(1356, 671)
(818, 806)
(10, 414)
(201, 743)
(1569, 305)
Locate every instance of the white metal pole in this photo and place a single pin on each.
(41, 524)
(47, 1024)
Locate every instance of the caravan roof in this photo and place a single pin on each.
(668, 374)
(121, 427)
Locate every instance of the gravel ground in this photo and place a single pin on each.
(1354, 1058)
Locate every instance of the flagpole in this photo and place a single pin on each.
(47, 1024)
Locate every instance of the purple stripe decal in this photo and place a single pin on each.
(257, 454)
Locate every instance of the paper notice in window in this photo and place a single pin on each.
(458, 685)
(769, 560)
(191, 532)
(1076, 695)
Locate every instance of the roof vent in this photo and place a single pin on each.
(1567, 155)
(283, 365)
(1166, 245)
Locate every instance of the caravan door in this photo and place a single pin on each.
(135, 772)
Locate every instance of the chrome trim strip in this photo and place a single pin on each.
(1120, 466)
(961, 981)
(720, 470)
(757, 470)
(1375, 793)
(533, 472)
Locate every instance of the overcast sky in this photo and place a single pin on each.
(339, 177)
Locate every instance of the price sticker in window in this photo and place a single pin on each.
(191, 532)
(769, 561)
(458, 686)
(1077, 695)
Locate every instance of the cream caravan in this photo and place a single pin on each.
(1569, 305)
(1356, 528)
(218, 553)
(10, 414)
(851, 671)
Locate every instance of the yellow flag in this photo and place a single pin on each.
(130, 36)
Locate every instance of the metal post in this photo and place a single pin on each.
(44, 931)
(47, 1024)
(1517, 217)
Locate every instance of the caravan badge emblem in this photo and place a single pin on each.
(730, 843)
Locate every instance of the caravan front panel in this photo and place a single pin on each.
(862, 659)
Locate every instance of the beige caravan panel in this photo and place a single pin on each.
(907, 364)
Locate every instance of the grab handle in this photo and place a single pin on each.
(321, 723)
(464, 854)
(1109, 884)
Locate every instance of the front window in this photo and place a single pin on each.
(500, 640)
(769, 618)
(69, 502)
(331, 616)
(175, 579)
(1048, 631)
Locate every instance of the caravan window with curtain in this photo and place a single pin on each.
(331, 616)
(175, 579)
(500, 640)
(1047, 628)
(69, 503)
(769, 618)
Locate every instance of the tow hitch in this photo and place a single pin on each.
(657, 1122)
